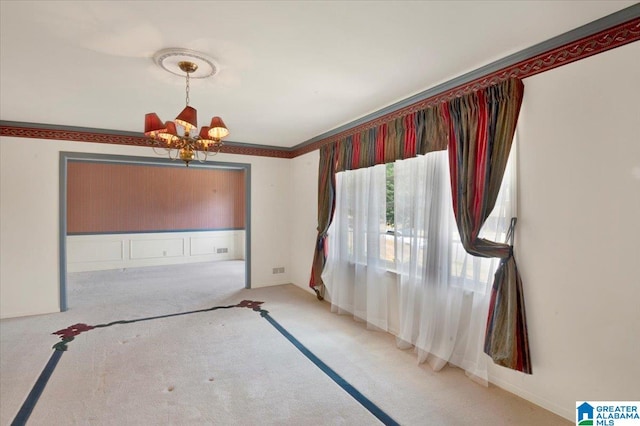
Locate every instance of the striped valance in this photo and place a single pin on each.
(415, 133)
(404, 137)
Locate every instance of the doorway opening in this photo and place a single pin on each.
(122, 212)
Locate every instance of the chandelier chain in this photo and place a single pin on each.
(187, 97)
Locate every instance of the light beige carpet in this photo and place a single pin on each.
(226, 367)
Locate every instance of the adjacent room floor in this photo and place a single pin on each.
(227, 366)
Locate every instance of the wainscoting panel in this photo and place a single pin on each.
(222, 246)
(89, 250)
(116, 251)
(149, 249)
(200, 246)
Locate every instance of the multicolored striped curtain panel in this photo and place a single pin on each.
(326, 208)
(477, 129)
(481, 129)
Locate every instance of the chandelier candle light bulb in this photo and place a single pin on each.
(184, 146)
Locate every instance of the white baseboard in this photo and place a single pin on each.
(4, 315)
(568, 414)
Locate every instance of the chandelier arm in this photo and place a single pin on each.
(155, 149)
(173, 154)
(217, 147)
(202, 153)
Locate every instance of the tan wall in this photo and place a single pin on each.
(110, 198)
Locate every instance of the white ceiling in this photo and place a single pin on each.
(289, 70)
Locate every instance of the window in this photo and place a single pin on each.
(437, 296)
(403, 190)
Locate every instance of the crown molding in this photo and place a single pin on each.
(604, 34)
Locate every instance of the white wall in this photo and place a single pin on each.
(578, 232)
(304, 216)
(29, 240)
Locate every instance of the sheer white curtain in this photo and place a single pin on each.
(443, 291)
(431, 294)
(354, 273)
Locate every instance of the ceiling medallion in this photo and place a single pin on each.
(169, 60)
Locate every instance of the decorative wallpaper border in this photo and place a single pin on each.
(28, 130)
(598, 42)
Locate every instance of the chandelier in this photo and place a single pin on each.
(187, 144)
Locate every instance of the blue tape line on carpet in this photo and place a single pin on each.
(366, 402)
(36, 391)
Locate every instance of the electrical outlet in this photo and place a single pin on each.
(275, 270)
(223, 250)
